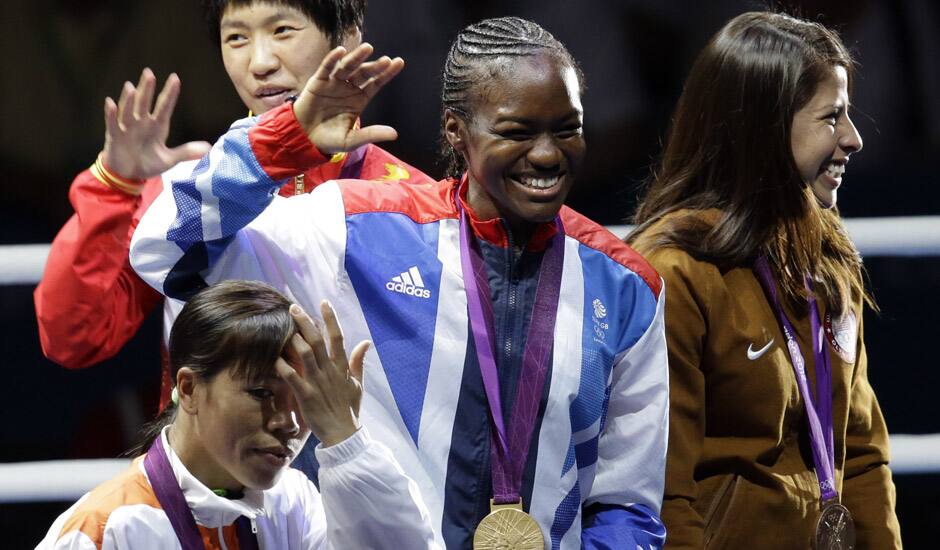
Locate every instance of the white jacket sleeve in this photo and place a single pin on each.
(623, 507)
(222, 219)
(368, 499)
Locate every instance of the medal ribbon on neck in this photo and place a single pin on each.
(171, 499)
(510, 448)
(819, 410)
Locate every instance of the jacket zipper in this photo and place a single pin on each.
(510, 302)
(715, 515)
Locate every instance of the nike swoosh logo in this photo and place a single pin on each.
(754, 355)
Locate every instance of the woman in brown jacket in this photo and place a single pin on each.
(776, 438)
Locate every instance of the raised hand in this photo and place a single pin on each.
(135, 134)
(328, 388)
(336, 95)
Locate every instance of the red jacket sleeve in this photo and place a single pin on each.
(90, 301)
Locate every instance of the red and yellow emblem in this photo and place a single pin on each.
(395, 172)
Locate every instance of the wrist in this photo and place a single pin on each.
(338, 434)
(108, 176)
(281, 146)
(345, 451)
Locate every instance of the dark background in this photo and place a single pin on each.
(61, 58)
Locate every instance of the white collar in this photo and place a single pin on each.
(209, 509)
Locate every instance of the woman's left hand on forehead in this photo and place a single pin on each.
(338, 92)
(328, 387)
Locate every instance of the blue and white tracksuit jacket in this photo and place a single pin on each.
(387, 256)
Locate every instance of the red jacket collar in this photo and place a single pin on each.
(494, 230)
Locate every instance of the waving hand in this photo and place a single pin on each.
(336, 95)
(135, 134)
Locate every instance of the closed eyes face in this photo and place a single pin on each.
(523, 142)
(823, 137)
(271, 50)
(250, 429)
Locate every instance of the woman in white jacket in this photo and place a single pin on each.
(253, 377)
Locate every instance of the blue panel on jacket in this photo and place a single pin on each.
(393, 265)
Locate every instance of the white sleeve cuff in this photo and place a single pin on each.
(344, 451)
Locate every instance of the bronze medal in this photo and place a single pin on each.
(507, 527)
(835, 529)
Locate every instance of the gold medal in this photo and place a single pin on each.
(835, 529)
(507, 527)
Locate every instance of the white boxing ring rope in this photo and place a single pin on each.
(66, 480)
(22, 264)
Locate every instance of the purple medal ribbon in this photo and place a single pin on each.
(352, 164)
(171, 498)
(508, 451)
(819, 410)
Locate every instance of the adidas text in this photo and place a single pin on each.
(410, 290)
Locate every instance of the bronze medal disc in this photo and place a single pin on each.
(508, 529)
(835, 529)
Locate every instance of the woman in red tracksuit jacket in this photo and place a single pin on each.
(90, 302)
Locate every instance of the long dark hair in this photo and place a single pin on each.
(474, 59)
(242, 325)
(729, 148)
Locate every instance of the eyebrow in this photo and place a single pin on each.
(276, 16)
(837, 105)
(521, 120)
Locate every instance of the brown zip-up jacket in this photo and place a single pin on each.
(739, 470)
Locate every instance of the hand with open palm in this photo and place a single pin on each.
(326, 385)
(135, 133)
(336, 95)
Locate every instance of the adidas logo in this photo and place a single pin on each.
(410, 283)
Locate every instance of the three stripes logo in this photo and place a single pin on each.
(410, 283)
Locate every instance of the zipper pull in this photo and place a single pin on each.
(299, 184)
(254, 527)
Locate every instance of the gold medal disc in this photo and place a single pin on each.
(835, 528)
(508, 528)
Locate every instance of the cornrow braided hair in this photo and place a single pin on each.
(489, 42)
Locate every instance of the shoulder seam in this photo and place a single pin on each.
(654, 285)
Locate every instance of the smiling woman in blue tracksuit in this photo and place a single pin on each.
(520, 367)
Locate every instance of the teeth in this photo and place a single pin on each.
(835, 170)
(540, 183)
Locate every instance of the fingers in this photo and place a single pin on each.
(366, 70)
(327, 65)
(377, 81)
(309, 342)
(290, 375)
(166, 101)
(305, 325)
(351, 62)
(370, 134)
(352, 67)
(125, 105)
(357, 359)
(305, 351)
(334, 334)
(111, 125)
(144, 95)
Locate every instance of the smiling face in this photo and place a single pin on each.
(822, 137)
(270, 51)
(244, 433)
(523, 141)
